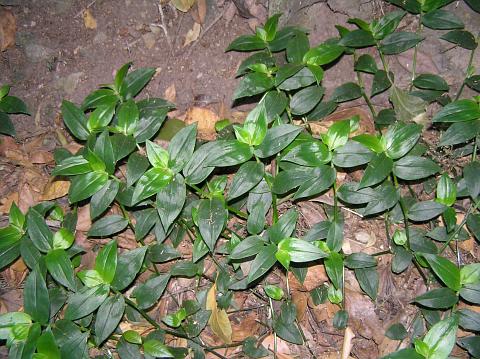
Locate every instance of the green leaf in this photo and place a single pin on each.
(36, 300)
(301, 77)
(425, 211)
(6, 125)
(38, 231)
(366, 63)
(127, 117)
(132, 336)
(255, 125)
(60, 267)
(471, 293)
(148, 293)
(337, 134)
(360, 260)
(155, 348)
(470, 274)
(430, 82)
(358, 39)
(160, 253)
(396, 332)
(70, 339)
(129, 264)
(184, 269)
(323, 177)
(264, 260)
(306, 99)
(300, 250)
(46, 346)
(109, 315)
(212, 217)
(460, 132)
(84, 186)
(136, 167)
(323, 54)
(12, 104)
(120, 76)
(102, 97)
(473, 82)
(312, 153)
(334, 268)
(286, 72)
(347, 92)
(412, 6)
(461, 38)
(157, 155)
(372, 142)
(407, 107)
(297, 47)
(277, 139)
(274, 103)
(399, 42)
(352, 154)
(135, 81)
(445, 270)
(107, 226)
(106, 261)
(73, 165)
(90, 278)
(386, 24)
(471, 173)
(446, 190)
(248, 247)
(101, 200)
(170, 201)
(284, 227)
(9, 245)
(471, 344)
(442, 20)
(104, 150)
(181, 147)
(247, 43)
(253, 84)
(195, 171)
(322, 110)
(151, 183)
(152, 114)
(226, 153)
(457, 111)
(85, 301)
(440, 339)
(413, 168)
(469, 319)
(368, 280)
(400, 139)
(248, 176)
(377, 170)
(440, 298)
(381, 82)
(100, 117)
(385, 197)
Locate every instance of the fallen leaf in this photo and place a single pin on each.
(26, 197)
(192, 34)
(8, 27)
(183, 5)
(202, 10)
(282, 345)
(41, 157)
(247, 327)
(300, 299)
(230, 12)
(7, 202)
(88, 20)
(219, 322)
(84, 221)
(170, 93)
(55, 189)
(205, 119)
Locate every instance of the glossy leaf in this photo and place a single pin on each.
(413, 168)
(400, 139)
(253, 84)
(107, 226)
(86, 185)
(60, 267)
(457, 111)
(461, 38)
(106, 261)
(75, 120)
(440, 298)
(264, 260)
(170, 201)
(377, 170)
(347, 92)
(306, 99)
(129, 264)
(323, 54)
(149, 292)
(277, 139)
(35, 296)
(445, 270)
(399, 42)
(38, 231)
(248, 176)
(109, 315)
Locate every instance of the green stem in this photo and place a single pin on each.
(474, 153)
(237, 212)
(414, 61)
(403, 207)
(362, 86)
(470, 61)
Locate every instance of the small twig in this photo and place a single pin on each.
(163, 26)
(347, 343)
(217, 19)
(83, 10)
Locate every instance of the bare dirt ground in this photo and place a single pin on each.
(61, 55)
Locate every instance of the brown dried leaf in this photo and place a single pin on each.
(8, 27)
(88, 20)
(300, 299)
(41, 157)
(192, 34)
(7, 202)
(170, 93)
(282, 345)
(219, 322)
(202, 10)
(55, 189)
(205, 119)
(183, 5)
(246, 328)
(84, 221)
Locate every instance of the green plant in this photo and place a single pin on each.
(183, 191)
(9, 105)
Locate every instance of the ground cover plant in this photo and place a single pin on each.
(222, 198)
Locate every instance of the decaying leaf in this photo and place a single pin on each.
(205, 119)
(202, 10)
(192, 34)
(300, 299)
(7, 201)
(88, 20)
(407, 107)
(170, 93)
(183, 5)
(219, 322)
(55, 189)
(8, 27)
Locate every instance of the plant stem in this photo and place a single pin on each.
(403, 208)
(237, 212)
(362, 86)
(274, 334)
(470, 61)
